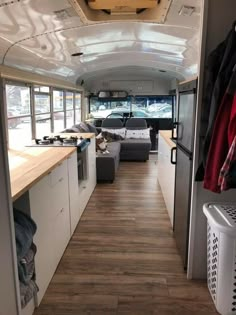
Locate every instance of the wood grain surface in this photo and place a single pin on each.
(122, 258)
(166, 134)
(29, 166)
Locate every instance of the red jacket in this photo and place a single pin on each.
(223, 135)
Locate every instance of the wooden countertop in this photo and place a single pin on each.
(166, 134)
(29, 166)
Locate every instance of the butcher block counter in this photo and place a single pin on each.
(29, 166)
(166, 135)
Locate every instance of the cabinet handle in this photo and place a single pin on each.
(61, 179)
(175, 124)
(84, 187)
(172, 161)
(62, 209)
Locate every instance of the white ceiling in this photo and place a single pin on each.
(34, 38)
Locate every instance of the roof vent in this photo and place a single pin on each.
(100, 11)
(186, 10)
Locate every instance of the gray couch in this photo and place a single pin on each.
(124, 150)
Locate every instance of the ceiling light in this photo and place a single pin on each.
(77, 54)
(186, 10)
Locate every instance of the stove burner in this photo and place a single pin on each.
(43, 142)
(56, 140)
(60, 141)
(69, 140)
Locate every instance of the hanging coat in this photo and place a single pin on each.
(218, 72)
(227, 177)
(222, 137)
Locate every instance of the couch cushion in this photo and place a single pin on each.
(112, 123)
(136, 123)
(135, 144)
(113, 148)
(107, 164)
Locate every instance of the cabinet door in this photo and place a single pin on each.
(49, 206)
(61, 233)
(40, 204)
(73, 191)
(59, 188)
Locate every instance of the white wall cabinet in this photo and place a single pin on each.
(166, 175)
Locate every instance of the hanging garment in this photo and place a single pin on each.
(218, 71)
(227, 178)
(220, 144)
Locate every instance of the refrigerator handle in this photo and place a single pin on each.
(173, 137)
(172, 161)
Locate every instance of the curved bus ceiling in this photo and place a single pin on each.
(40, 35)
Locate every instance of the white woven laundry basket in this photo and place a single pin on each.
(221, 255)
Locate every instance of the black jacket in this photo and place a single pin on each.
(218, 71)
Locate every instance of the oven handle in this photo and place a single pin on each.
(84, 147)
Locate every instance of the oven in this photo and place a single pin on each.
(82, 162)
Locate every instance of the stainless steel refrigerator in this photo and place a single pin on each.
(185, 128)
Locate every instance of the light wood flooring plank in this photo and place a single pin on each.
(122, 258)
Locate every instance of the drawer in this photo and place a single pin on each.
(59, 174)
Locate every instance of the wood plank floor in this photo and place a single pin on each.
(122, 258)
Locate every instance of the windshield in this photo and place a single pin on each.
(139, 106)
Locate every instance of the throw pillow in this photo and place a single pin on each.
(82, 127)
(117, 131)
(92, 128)
(138, 134)
(111, 136)
(71, 130)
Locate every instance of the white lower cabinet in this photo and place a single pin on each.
(49, 206)
(56, 204)
(166, 175)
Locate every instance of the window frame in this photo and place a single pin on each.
(32, 93)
